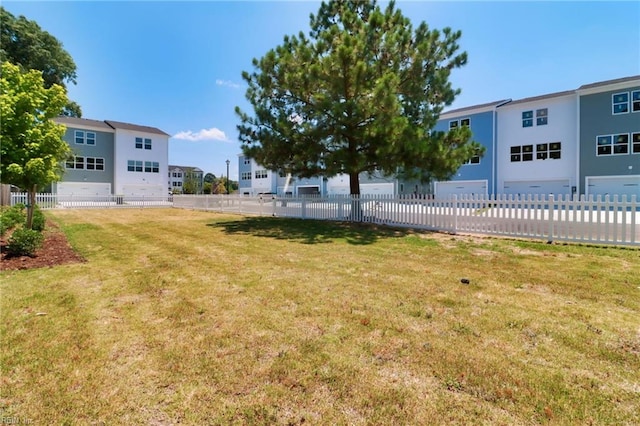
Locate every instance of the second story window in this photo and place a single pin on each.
(527, 119)
(635, 101)
(261, 174)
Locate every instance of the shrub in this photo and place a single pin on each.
(24, 242)
(11, 217)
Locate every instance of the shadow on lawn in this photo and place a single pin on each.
(309, 231)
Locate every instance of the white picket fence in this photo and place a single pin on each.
(608, 220)
(52, 201)
(601, 220)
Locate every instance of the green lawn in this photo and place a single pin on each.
(183, 317)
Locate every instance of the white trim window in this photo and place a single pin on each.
(542, 116)
(527, 118)
(151, 167)
(620, 103)
(473, 160)
(635, 143)
(143, 143)
(521, 153)
(463, 122)
(245, 176)
(552, 150)
(261, 174)
(84, 138)
(635, 101)
(85, 163)
(617, 144)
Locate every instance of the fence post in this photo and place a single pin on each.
(550, 218)
(454, 199)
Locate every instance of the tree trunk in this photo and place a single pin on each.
(31, 205)
(354, 189)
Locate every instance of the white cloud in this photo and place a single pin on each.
(211, 134)
(228, 83)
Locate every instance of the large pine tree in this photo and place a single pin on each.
(360, 93)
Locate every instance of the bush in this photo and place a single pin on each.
(11, 217)
(24, 242)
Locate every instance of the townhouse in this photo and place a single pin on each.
(584, 141)
(185, 179)
(113, 158)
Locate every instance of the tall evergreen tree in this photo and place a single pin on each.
(361, 93)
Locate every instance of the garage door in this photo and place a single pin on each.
(143, 190)
(84, 189)
(374, 189)
(619, 185)
(309, 190)
(465, 187)
(540, 187)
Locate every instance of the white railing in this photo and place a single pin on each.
(608, 220)
(51, 201)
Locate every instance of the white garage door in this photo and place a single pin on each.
(143, 190)
(540, 187)
(618, 185)
(463, 187)
(84, 189)
(373, 189)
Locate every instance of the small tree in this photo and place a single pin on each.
(32, 150)
(361, 93)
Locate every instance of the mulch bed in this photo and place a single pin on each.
(55, 250)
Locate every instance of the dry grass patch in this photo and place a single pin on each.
(182, 317)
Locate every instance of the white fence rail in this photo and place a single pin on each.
(608, 220)
(51, 201)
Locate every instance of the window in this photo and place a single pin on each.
(246, 176)
(527, 118)
(613, 144)
(541, 117)
(147, 144)
(620, 103)
(516, 153)
(546, 151)
(474, 160)
(247, 161)
(94, 163)
(82, 137)
(138, 143)
(462, 122)
(635, 141)
(151, 167)
(635, 101)
(555, 149)
(261, 174)
(131, 166)
(91, 138)
(85, 163)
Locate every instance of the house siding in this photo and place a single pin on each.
(102, 149)
(597, 119)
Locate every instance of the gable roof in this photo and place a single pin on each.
(75, 121)
(488, 105)
(609, 82)
(135, 127)
(541, 97)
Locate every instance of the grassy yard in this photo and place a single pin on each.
(182, 317)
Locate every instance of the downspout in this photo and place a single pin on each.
(577, 173)
(494, 166)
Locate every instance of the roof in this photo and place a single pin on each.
(135, 127)
(82, 122)
(195, 169)
(609, 82)
(539, 98)
(475, 107)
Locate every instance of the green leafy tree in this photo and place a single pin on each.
(24, 43)
(190, 184)
(361, 93)
(32, 150)
(209, 178)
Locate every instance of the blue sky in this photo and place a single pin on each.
(177, 65)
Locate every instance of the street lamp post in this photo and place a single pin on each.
(227, 176)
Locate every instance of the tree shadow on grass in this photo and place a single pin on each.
(309, 231)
